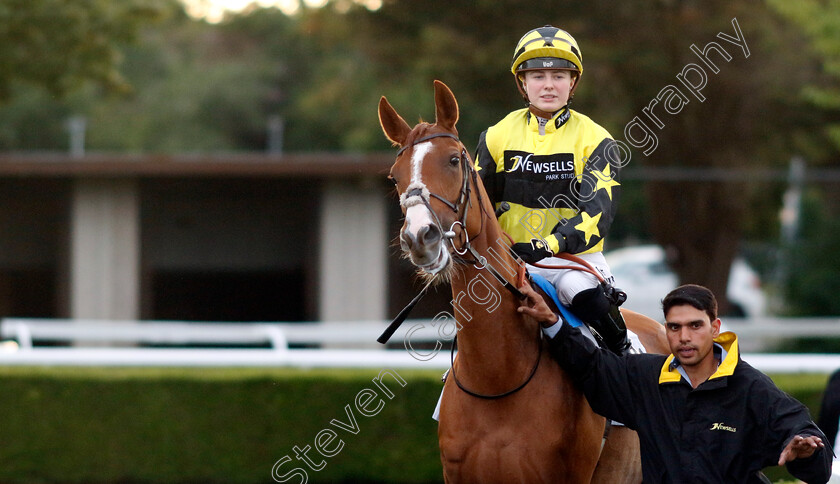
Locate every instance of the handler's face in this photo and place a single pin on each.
(691, 335)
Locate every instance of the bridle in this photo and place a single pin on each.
(415, 194)
(419, 193)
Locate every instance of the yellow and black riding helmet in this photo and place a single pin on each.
(546, 48)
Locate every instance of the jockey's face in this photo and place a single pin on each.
(548, 89)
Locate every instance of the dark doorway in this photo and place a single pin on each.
(28, 293)
(229, 296)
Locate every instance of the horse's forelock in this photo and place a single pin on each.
(422, 130)
(418, 132)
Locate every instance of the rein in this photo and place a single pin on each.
(584, 265)
(494, 396)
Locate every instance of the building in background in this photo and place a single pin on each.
(215, 238)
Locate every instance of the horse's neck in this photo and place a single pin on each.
(491, 331)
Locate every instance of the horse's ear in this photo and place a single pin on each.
(394, 126)
(446, 107)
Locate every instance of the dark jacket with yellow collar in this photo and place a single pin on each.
(724, 431)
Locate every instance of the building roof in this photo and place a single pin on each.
(62, 165)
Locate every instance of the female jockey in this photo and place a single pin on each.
(558, 171)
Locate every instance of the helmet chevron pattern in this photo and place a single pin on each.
(547, 48)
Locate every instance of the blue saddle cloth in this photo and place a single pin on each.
(549, 289)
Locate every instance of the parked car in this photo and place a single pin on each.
(643, 273)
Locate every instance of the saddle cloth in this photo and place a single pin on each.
(549, 289)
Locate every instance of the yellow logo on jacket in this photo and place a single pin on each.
(721, 426)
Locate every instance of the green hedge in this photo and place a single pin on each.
(211, 425)
(102, 425)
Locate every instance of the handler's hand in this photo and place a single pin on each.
(800, 447)
(534, 305)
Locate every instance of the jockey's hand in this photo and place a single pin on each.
(800, 447)
(533, 251)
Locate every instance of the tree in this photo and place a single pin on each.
(58, 44)
(819, 20)
(811, 283)
(731, 123)
(195, 86)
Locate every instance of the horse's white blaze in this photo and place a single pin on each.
(417, 215)
(420, 152)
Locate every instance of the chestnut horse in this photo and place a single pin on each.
(508, 411)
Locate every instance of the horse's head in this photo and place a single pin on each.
(432, 175)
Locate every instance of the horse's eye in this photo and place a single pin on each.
(454, 160)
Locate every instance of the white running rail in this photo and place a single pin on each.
(342, 344)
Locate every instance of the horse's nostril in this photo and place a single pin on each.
(429, 235)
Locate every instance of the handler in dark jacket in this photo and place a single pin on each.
(702, 414)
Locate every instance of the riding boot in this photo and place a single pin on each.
(595, 308)
(613, 331)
